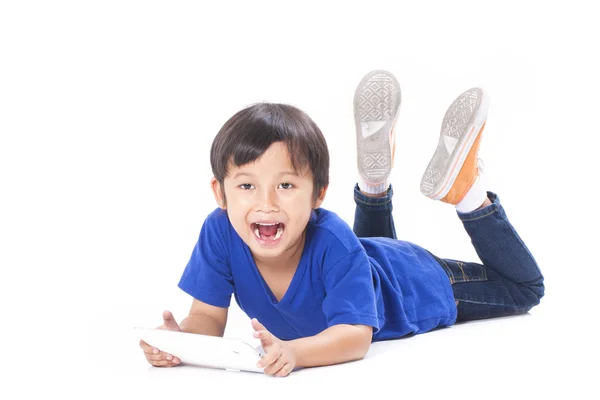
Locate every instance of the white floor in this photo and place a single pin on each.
(530, 356)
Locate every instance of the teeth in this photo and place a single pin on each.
(278, 234)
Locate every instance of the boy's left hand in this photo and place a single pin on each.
(280, 359)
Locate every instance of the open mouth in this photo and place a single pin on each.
(268, 232)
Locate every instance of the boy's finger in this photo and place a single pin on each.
(154, 357)
(145, 346)
(257, 325)
(265, 337)
(157, 357)
(151, 350)
(174, 361)
(162, 358)
(284, 371)
(269, 358)
(275, 366)
(162, 363)
(169, 322)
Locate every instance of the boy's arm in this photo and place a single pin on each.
(336, 344)
(205, 319)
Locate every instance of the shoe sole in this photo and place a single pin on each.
(376, 105)
(460, 127)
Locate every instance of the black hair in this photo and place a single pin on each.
(252, 130)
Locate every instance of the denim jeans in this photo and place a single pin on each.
(507, 282)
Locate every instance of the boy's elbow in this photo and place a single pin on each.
(364, 340)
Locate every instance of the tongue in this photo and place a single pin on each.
(267, 230)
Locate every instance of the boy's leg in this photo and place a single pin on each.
(376, 105)
(373, 215)
(509, 281)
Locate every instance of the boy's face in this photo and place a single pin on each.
(269, 204)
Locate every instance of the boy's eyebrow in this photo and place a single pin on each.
(282, 173)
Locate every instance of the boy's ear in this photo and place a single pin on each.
(218, 193)
(321, 197)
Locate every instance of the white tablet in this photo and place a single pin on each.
(203, 350)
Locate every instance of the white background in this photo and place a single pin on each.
(107, 113)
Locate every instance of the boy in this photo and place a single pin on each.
(319, 293)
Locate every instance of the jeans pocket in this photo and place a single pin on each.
(459, 271)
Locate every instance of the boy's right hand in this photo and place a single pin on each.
(153, 355)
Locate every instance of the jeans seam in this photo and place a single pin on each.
(466, 278)
(515, 308)
(481, 302)
(482, 279)
(479, 217)
(460, 265)
(518, 238)
(448, 271)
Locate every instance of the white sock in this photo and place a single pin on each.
(372, 189)
(474, 197)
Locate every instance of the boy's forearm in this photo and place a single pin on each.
(202, 324)
(337, 344)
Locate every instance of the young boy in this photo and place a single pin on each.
(319, 293)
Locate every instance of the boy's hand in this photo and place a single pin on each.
(153, 355)
(279, 359)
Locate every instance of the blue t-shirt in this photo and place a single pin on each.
(394, 286)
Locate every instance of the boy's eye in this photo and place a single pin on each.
(248, 186)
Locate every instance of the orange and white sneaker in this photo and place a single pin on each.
(376, 105)
(453, 175)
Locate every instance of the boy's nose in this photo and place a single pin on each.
(268, 201)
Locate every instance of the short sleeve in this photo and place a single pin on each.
(350, 297)
(207, 275)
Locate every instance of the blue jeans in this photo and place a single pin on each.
(508, 281)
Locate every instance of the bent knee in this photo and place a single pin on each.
(532, 295)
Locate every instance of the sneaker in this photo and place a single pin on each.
(453, 169)
(376, 104)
